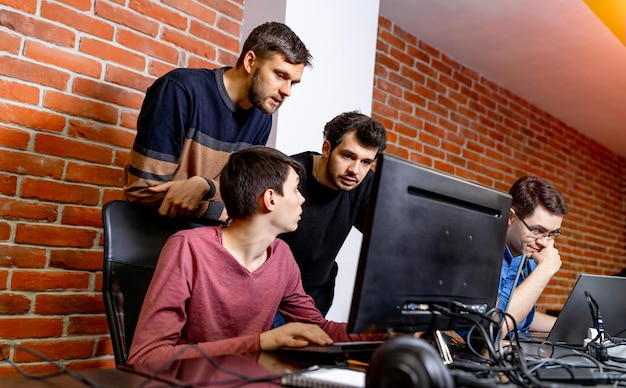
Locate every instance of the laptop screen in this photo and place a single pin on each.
(575, 318)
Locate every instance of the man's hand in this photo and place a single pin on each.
(525, 296)
(295, 335)
(548, 258)
(181, 197)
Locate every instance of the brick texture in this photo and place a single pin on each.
(72, 78)
(73, 74)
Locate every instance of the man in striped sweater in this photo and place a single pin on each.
(192, 119)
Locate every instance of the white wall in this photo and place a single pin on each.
(341, 36)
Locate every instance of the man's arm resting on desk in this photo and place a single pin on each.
(542, 322)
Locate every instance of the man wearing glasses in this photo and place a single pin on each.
(535, 218)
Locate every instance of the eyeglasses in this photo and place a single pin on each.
(538, 233)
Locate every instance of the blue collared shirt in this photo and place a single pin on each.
(510, 266)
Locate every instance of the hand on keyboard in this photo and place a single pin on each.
(294, 334)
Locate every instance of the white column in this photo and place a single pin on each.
(341, 36)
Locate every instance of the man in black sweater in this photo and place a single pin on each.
(336, 190)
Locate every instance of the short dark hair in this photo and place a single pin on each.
(529, 192)
(370, 132)
(273, 38)
(249, 173)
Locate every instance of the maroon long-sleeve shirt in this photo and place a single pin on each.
(201, 295)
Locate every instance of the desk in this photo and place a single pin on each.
(101, 377)
(180, 372)
(199, 371)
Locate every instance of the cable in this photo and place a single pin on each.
(521, 268)
(61, 368)
(596, 317)
(513, 362)
(497, 360)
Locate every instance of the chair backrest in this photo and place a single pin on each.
(133, 237)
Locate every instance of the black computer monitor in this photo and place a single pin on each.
(430, 239)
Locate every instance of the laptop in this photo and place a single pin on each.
(575, 318)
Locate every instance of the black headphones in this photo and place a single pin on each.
(407, 362)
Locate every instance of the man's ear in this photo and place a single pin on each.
(268, 199)
(326, 149)
(249, 61)
(511, 216)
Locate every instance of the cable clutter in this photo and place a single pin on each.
(491, 357)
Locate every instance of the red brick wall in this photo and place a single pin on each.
(443, 115)
(72, 78)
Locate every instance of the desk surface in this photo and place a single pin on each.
(225, 371)
(99, 377)
(180, 372)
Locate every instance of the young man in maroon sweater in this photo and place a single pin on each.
(216, 289)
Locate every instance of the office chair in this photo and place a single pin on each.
(133, 237)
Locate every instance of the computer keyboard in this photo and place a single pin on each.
(339, 347)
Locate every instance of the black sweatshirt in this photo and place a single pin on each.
(327, 218)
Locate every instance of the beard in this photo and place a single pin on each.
(257, 95)
(336, 180)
